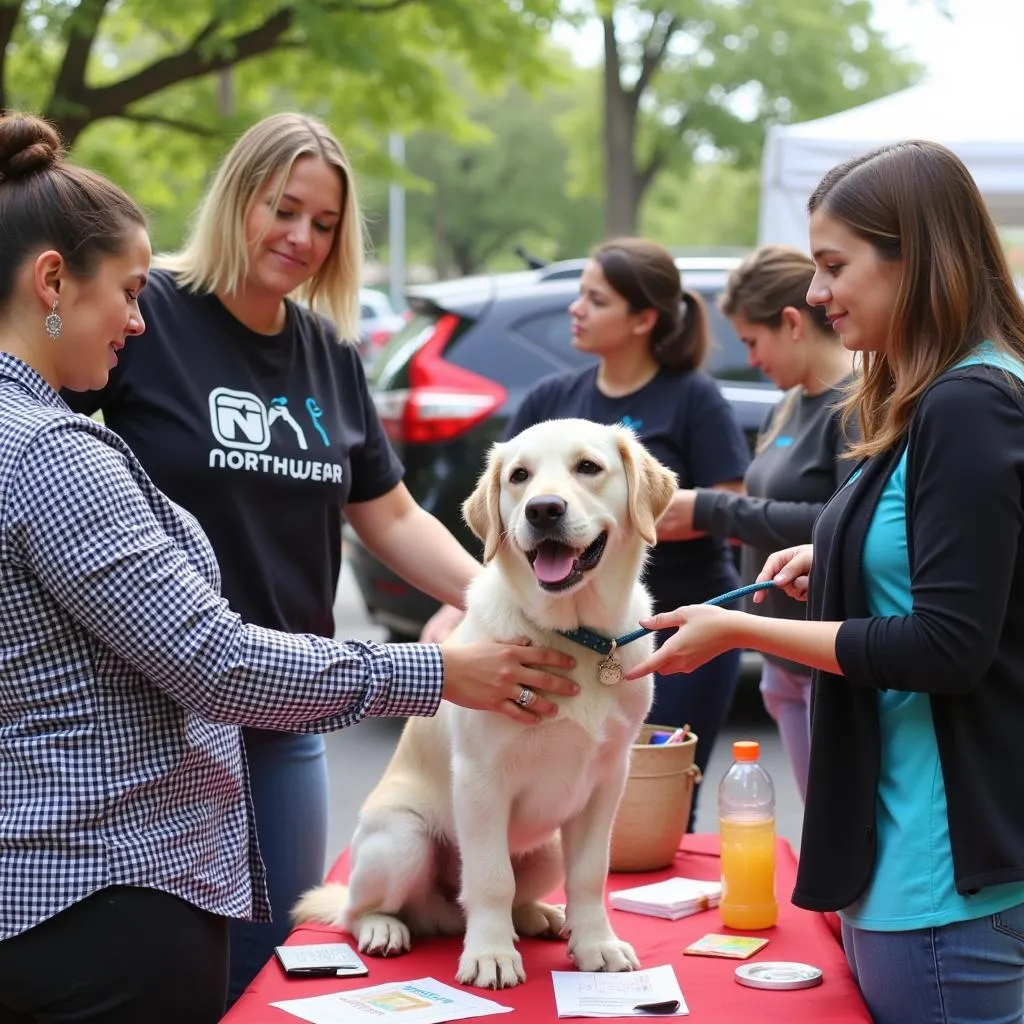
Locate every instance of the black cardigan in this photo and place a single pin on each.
(963, 644)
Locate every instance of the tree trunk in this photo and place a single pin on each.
(465, 259)
(9, 13)
(621, 192)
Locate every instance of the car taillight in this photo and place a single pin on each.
(442, 400)
(379, 337)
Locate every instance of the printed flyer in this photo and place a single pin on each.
(424, 1001)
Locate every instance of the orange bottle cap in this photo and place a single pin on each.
(746, 750)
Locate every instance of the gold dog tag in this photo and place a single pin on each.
(609, 671)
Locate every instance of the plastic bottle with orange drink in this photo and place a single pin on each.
(746, 826)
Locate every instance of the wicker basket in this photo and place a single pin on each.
(655, 806)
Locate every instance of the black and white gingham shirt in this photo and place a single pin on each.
(123, 676)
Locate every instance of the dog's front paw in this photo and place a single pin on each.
(539, 920)
(383, 935)
(491, 970)
(607, 955)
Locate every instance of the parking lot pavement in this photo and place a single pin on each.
(357, 756)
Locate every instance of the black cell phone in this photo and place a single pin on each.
(321, 960)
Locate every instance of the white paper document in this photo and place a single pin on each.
(424, 1001)
(673, 898)
(585, 994)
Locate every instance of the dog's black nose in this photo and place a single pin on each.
(545, 510)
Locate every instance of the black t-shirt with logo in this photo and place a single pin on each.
(686, 423)
(264, 439)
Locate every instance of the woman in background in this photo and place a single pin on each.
(650, 338)
(799, 460)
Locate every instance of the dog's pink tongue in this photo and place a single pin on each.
(553, 563)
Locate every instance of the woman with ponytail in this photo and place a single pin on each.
(650, 337)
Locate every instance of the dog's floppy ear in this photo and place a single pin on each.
(651, 485)
(481, 509)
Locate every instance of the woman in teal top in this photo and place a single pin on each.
(914, 819)
(800, 458)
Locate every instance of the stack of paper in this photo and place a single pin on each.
(671, 899)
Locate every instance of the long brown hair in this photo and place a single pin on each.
(646, 276)
(767, 281)
(916, 203)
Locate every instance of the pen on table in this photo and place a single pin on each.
(665, 1006)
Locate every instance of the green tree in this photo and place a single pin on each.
(685, 76)
(709, 206)
(82, 61)
(477, 198)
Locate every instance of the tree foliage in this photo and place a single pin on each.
(475, 199)
(686, 76)
(709, 206)
(506, 141)
(82, 61)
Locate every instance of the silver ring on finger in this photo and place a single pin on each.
(526, 697)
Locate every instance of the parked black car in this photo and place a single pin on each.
(447, 383)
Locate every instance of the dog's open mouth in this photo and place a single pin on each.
(558, 566)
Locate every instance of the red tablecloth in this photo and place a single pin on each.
(708, 985)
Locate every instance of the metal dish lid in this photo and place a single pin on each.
(778, 974)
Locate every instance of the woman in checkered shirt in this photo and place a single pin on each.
(127, 839)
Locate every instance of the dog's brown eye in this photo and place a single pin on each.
(518, 475)
(587, 467)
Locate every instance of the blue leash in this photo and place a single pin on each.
(602, 645)
(750, 588)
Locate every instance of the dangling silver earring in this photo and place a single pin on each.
(53, 323)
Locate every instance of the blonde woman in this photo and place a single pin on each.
(246, 409)
(799, 459)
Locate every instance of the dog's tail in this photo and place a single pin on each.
(323, 904)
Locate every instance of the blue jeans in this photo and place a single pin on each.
(702, 700)
(968, 972)
(288, 778)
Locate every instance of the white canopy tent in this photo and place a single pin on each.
(981, 121)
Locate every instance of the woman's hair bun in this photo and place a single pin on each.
(28, 145)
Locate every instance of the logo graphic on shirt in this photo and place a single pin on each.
(242, 424)
(239, 420)
(631, 424)
(315, 413)
(279, 411)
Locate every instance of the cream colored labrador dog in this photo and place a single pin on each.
(478, 817)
